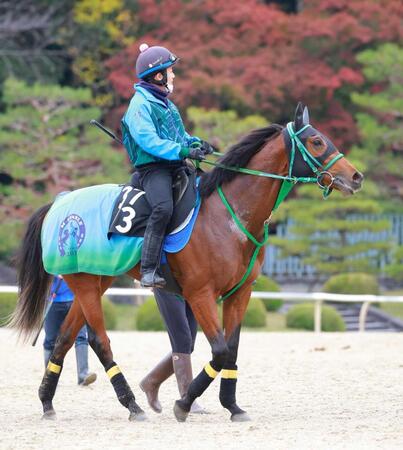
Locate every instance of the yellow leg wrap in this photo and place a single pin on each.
(210, 371)
(52, 367)
(226, 373)
(113, 371)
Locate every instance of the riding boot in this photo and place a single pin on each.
(46, 354)
(150, 259)
(84, 377)
(151, 383)
(183, 371)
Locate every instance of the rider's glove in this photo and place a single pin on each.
(193, 152)
(207, 148)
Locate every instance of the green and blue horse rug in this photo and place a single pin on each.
(100, 229)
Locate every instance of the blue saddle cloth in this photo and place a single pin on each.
(75, 234)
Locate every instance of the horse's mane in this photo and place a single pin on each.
(237, 156)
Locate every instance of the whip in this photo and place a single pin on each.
(105, 130)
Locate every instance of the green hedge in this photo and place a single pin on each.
(7, 306)
(126, 317)
(148, 317)
(9, 301)
(302, 317)
(264, 283)
(255, 316)
(110, 315)
(352, 283)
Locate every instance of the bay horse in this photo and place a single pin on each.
(223, 250)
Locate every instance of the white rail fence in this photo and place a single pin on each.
(317, 297)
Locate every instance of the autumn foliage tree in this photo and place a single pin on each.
(252, 57)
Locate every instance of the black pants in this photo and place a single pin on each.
(179, 320)
(156, 180)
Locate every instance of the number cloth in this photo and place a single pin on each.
(75, 235)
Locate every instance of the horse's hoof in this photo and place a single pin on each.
(138, 417)
(180, 414)
(49, 415)
(240, 417)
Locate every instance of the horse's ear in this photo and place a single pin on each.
(305, 116)
(299, 117)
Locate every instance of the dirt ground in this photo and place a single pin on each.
(302, 391)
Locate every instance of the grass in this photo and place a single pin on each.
(276, 322)
(394, 309)
(126, 320)
(126, 317)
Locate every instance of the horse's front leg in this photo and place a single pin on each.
(233, 311)
(205, 311)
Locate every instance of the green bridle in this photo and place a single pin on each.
(289, 182)
(317, 168)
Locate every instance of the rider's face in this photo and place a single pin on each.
(170, 75)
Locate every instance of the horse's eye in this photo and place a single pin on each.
(317, 142)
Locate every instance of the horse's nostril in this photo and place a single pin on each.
(358, 177)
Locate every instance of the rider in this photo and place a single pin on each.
(157, 143)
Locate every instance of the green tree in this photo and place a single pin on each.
(334, 235)
(222, 128)
(322, 232)
(47, 146)
(395, 268)
(380, 122)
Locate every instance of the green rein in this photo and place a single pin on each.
(288, 183)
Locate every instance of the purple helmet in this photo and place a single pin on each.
(153, 59)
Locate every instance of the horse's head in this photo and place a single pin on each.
(312, 154)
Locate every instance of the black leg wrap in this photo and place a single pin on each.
(122, 389)
(124, 393)
(196, 389)
(228, 397)
(48, 386)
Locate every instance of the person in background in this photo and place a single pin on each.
(62, 299)
(182, 329)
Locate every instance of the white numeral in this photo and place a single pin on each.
(128, 220)
(126, 191)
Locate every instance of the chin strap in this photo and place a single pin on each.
(163, 82)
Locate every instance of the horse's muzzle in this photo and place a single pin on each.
(349, 187)
(358, 178)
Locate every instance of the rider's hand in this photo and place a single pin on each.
(193, 152)
(207, 148)
(196, 153)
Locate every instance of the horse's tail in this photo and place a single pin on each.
(33, 281)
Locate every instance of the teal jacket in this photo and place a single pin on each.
(152, 131)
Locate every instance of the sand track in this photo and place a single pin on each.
(302, 391)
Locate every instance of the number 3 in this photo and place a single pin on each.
(128, 220)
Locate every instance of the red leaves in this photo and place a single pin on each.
(253, 57)
(350, 76)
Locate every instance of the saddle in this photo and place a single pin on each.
(131, 209)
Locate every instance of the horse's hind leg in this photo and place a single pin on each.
(89, 289)
(205, 311)
(72, 324)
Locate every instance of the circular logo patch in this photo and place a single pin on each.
(71, 235)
